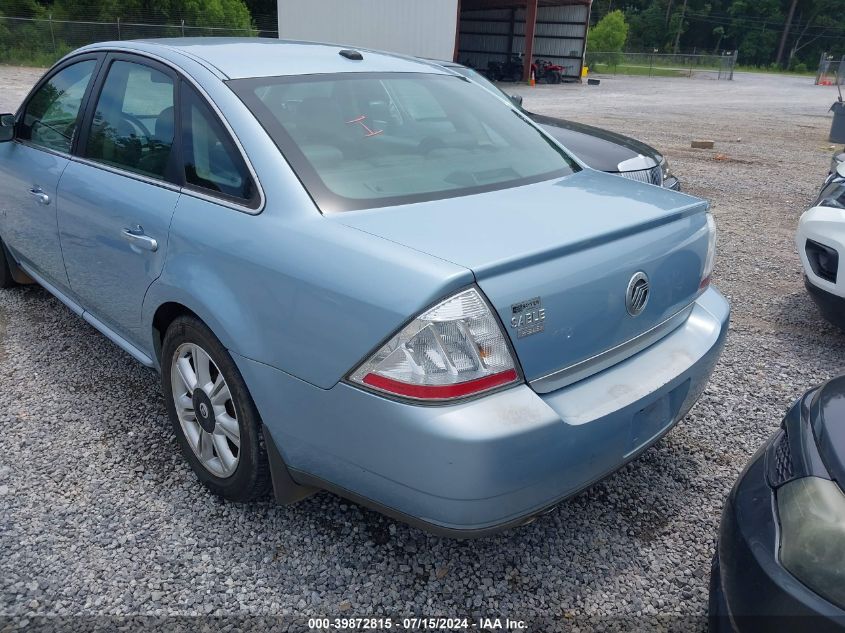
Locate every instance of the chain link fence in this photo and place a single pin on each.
(42, 41)
(720, 67)
(831, 71)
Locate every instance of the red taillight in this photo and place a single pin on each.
(441, 392)
(452, 350)
(704, 283)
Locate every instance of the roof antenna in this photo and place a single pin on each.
(350, 54)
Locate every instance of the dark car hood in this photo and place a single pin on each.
(827, 414)
(600, 149)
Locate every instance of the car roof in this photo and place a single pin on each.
(239, 58)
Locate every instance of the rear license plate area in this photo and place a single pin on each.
(653, 419)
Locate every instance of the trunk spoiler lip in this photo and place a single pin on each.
(538, 257)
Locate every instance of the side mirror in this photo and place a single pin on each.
(840, 170)
(517, 99)
(7, 127)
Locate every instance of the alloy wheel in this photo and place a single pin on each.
(205, 409)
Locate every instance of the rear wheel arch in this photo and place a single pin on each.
(285, 489)
(221, 433)
(164, 315)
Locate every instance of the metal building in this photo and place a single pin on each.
(472, 31)
(494, 30)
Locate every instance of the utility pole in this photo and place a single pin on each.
(680, 27)
(786, 29)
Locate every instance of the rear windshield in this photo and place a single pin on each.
(364, 140)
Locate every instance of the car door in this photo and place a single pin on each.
(117, 197)
(30, 167)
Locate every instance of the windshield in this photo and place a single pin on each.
(364, 140)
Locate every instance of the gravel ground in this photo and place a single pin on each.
(100, 515)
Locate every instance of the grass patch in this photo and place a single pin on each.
(774, 71)
(34, 58)
(654, 71)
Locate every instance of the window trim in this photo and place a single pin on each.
(101, 54)
(98, 57)
(171, 176)
(255, 202)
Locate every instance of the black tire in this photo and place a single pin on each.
(6, 280)
(251, 478)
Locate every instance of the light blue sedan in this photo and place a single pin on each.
(360, 273)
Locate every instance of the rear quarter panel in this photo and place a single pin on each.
(306, 296)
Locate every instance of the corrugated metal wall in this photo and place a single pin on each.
(492, 34)
(412, 27)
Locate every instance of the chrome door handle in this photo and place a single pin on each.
(40, 196)
(137, 239)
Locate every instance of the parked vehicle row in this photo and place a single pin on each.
(379, 276)
(361, 272)
(780, 560)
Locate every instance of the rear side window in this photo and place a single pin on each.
(134, 121)
(51, 115)
(212, 162)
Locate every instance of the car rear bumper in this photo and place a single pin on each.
(749, 589)
(478, 466)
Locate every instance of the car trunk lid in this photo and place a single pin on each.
(556, 258)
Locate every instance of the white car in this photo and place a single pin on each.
(821, 246)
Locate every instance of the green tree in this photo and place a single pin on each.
(608, 36)
(22, 8)
(229, 14)
(648, 27)
(754, 29)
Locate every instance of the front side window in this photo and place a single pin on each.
(51, 115)
(365, 140)
(134, 120)
(212, 162)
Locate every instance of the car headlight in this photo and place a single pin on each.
(837, 202)
(452, 350)
(710, 260)
(667, 172)
(812, 519)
